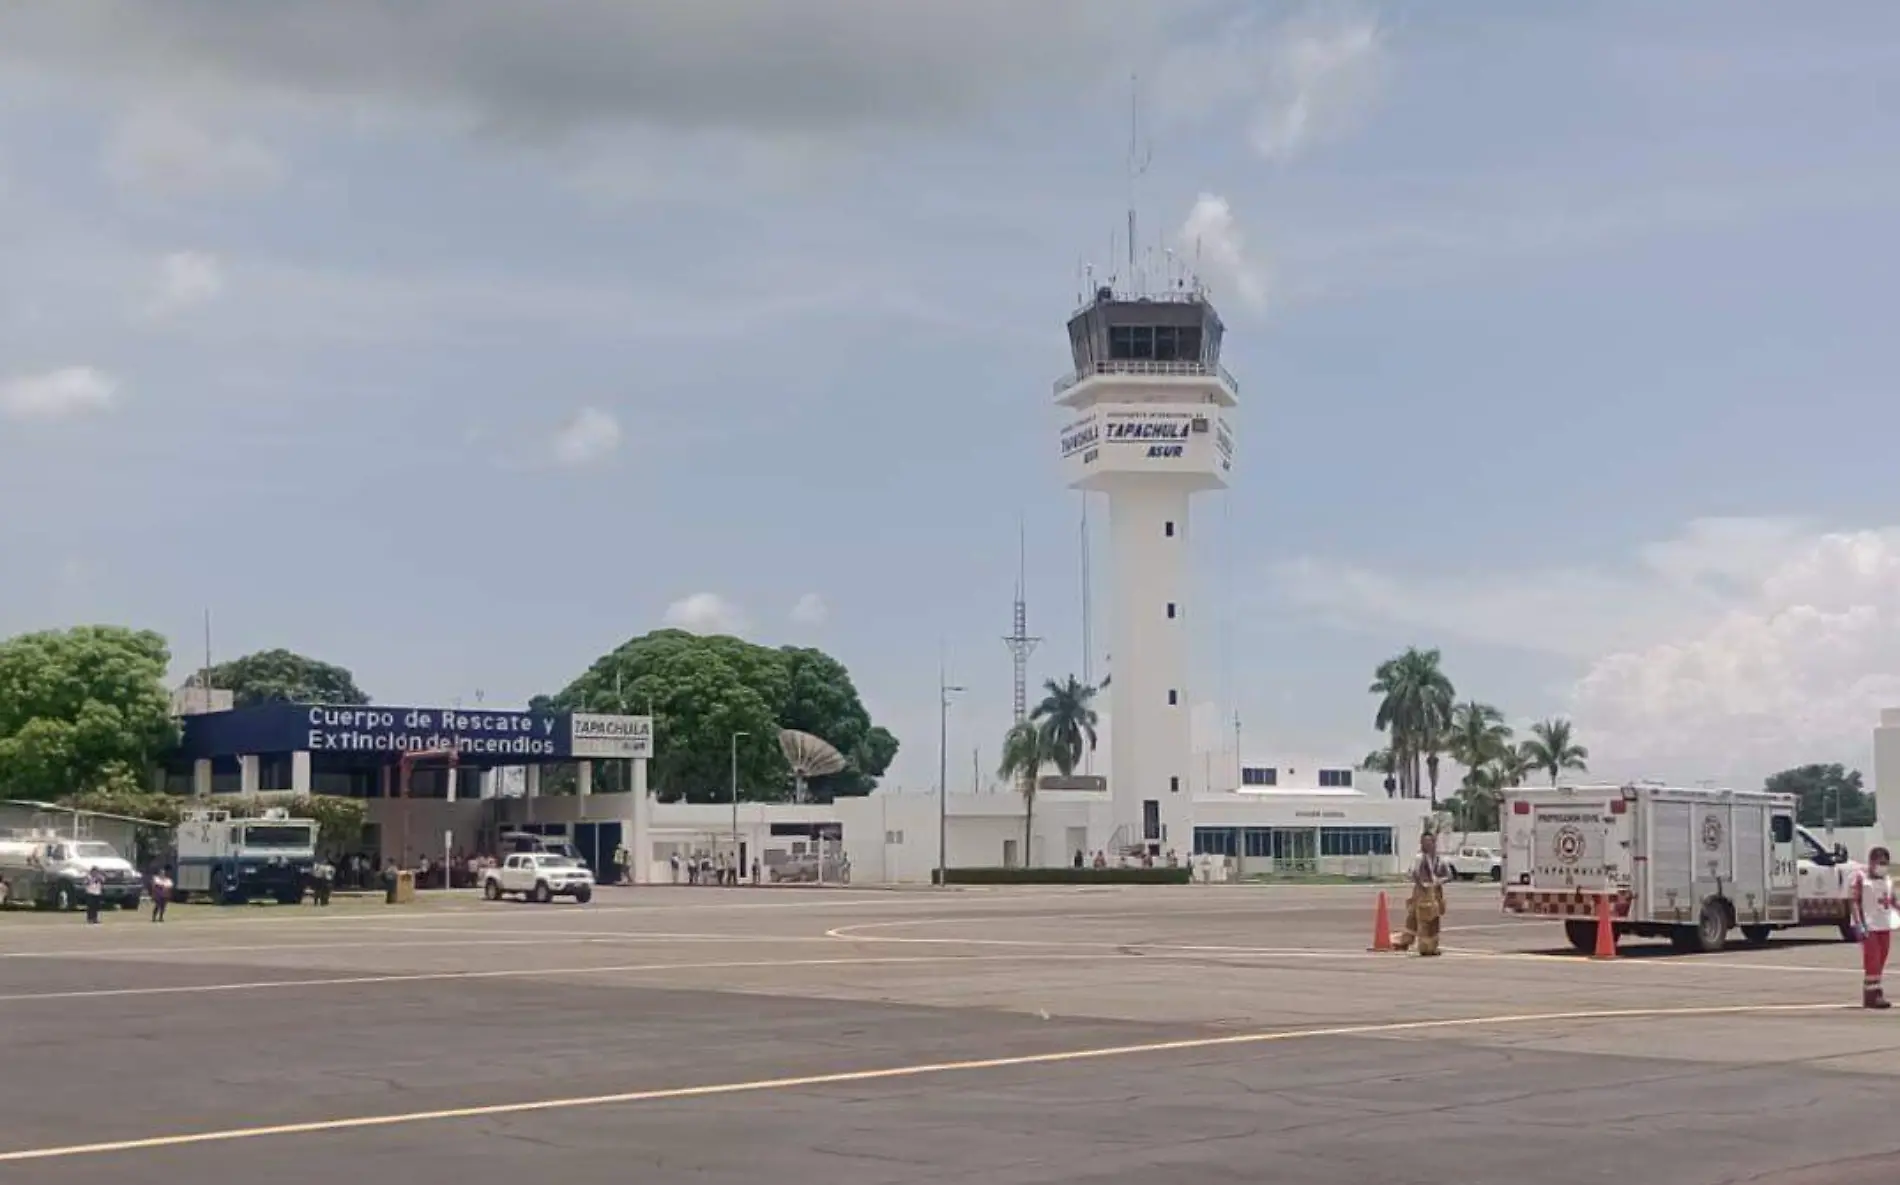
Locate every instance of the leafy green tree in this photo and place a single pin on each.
(1553, 748)
(1415, 699)
(82, 709)
(1827, 793)
(701, 690)
(279, 676)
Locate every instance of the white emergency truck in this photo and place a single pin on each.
(1689, 865)
(50, 870)
(232, 861)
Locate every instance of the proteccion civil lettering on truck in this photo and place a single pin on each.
(1689, 865)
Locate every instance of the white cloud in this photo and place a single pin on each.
(1294, 85)
(1210, 238)
(58, 394)
(1739, 647)
(706, 613)
(160, 153)
(589, 438)
(810, 610)
(186, 280)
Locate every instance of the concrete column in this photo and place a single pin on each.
(1886, 785)
(201, 777)
(247, 774)
(534, 781)
(584, 778)
(640, 843)
(300, 771)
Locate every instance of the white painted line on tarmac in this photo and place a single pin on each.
(262, 985)
(478, 938)
(847, 1077)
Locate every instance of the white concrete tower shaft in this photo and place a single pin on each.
(1148, 424)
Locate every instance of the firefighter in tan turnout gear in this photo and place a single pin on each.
(1425, 908)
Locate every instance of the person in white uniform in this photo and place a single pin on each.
(1876, 916)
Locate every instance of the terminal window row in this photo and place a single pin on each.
(1292, 843)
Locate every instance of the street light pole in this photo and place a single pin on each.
(735, 794)
(944, 692)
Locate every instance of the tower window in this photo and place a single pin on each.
(1174, 785)
(1174, 697)
(1259, 775)
(1170, 610)
(1167, 528)
(1339, 779)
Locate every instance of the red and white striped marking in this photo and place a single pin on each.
(1563, 903)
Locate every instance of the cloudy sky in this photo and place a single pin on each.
(456, 344)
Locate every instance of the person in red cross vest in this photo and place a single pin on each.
(1876, 917)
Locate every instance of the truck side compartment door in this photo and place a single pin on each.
(1783, 876)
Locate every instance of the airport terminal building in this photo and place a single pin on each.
(456, 777)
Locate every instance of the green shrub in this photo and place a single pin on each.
(1065, 876)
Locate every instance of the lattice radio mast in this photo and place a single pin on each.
(1020, 644)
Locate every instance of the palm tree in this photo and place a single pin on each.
(1025, 752)
(1414, 711)
(1058, 732)
(1514, 766)
(1381, 761)
(1553, 749)
(1067, 719)
(1478, 740)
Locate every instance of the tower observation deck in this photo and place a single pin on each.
(1147, 422)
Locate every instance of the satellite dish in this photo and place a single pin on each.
(809, 757)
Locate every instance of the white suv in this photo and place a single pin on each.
(539, 876)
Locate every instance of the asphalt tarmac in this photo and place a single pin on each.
(853, 1037)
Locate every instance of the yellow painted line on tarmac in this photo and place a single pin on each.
(848, 1077)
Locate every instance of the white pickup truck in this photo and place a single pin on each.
(539, 876)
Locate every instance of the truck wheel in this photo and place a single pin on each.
(218, 894)
(1711, 927)
(542, 893)
(63, 898)
(1756, 935)
(1497, 875)
(583, 895)
(491, 889)
(129, 903)
(1582, 935)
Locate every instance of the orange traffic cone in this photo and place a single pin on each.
(1381, 926)
(1606, 931)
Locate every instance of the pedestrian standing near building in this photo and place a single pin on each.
(95, 892)
(1425, 908)
(161, 892)
(1876, 917)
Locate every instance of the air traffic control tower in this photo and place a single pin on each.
(1148, 412)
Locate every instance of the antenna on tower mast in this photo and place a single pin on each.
(1140, 156)
(1020, 644)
